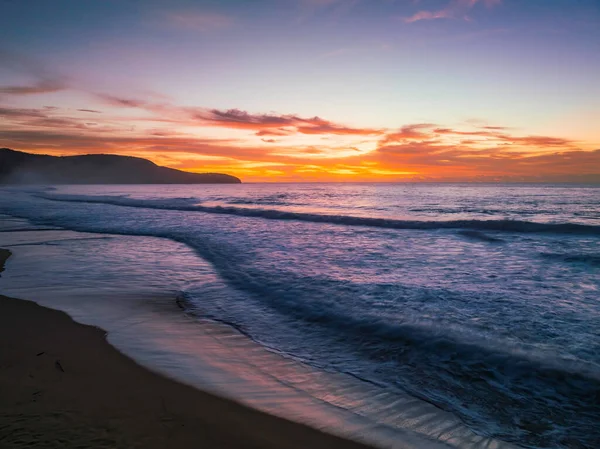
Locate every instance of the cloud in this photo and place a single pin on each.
(332, 128)
(539, 141)
(318, 3)
(419, 151)
(44, 80)
(312, 6)
(121, 101)
(455, 9)
(271, 124)
(495, 128)
(277, 124)
(90, 110)
(491, 133)
(409, 132)
(336, 8)
(429, 15)
(273, 132)
(418, 160)
(21, 113)
(29, 119)
(199, 21)
(41, 87)
(73, 141)
(239, 118)
(462, 162)
(431, 158)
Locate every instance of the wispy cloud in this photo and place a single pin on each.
(409, 132)
(276, 123)
(264, 125)
(40, 87)
(311, 6)
(32, 119)
(454, 10)
(336, 8)
(319, 3)
(273, 132)
(20, 113)
(429, 15)
(494, 134)
(44, 81)
(199, 21)
(115, 100)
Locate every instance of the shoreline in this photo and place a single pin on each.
(147, 327)
(65, 386)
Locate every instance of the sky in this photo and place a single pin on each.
(310, 90)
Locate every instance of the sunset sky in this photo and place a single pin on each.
(310, 90)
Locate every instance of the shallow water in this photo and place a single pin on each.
(482, 300)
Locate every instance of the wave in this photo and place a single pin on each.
(487, 381)
(449, 367)
(589, 259)
(281, 199)
(477, 235)
(190, 205)
(456, 368)
(297, 300)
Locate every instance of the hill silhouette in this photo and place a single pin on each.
(17, 167)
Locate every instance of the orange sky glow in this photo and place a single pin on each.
(272, 147)
(290, 91)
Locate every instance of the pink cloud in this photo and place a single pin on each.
(455, 9)
(263, 124)
(429, 15)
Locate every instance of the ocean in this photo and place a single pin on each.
(463, 315)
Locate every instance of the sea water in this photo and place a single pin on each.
(467, 314)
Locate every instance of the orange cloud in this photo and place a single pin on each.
(421, 151)
(409, 132)
(273, 132)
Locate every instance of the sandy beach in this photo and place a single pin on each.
(63, 386)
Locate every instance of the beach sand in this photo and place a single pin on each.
(63, 386)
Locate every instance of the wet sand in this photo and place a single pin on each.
(63, 386)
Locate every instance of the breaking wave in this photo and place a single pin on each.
(190, 205)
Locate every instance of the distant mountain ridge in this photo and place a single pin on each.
(17, 167)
